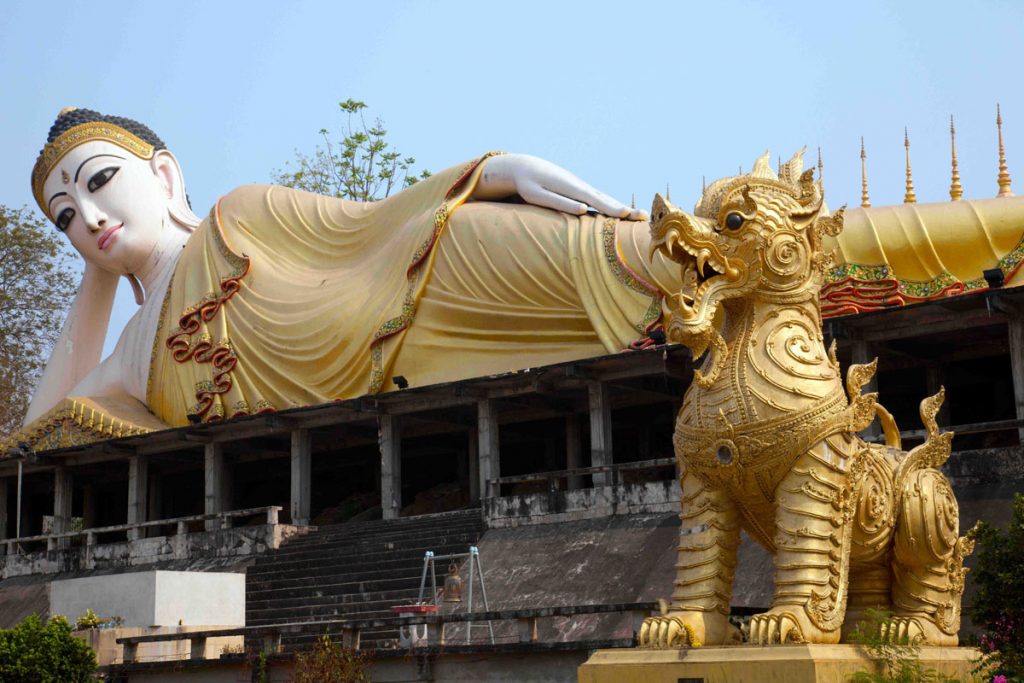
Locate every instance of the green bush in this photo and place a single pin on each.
(330, 662)
(892, 661)
(998, 604)
(34, 652)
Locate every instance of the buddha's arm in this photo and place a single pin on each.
(545, 184)
(80, 344)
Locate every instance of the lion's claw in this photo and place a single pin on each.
(901, 630)
(772, 628)
(666, 632)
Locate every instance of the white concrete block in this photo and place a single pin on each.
(155, 598)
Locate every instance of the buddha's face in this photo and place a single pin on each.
(111, 204)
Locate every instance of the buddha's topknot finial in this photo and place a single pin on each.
(1004, 174)
(865, 201)
(909, 197)
(956, 191)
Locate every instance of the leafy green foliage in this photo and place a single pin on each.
(37, 281)
(262, 675)
(88, 620)
(998, 604)
(361, 166)
(330, 663)
(894, 662)
(34, 652)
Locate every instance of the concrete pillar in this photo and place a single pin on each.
(155, 509)
(861, 354)
(473, 456)
(215, 482)
(89, 518)
(302, 475)
(573, 451)
(1016, 333)
(61, 502)
(5, 496)
(488, 454)
(600, 430)
(138, 494)
(390, 440)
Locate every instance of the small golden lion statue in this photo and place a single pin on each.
(767, 442)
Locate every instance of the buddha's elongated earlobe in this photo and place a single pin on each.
(166, 168)
(137, 290)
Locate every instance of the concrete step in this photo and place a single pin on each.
(388, 598)
(390, 527)
(399, 580)
(366, 561)
(405, 524)
(393, 571)
(349, 548)
(352, 571)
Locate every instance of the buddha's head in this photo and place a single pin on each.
(112, 187)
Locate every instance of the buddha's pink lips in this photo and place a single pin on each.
(107, 235)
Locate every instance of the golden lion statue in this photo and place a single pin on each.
(766, 438)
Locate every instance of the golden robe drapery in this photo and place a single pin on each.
(284, 298)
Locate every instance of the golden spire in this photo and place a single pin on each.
(1004, 175)
(909, 197)
(821, 167)
(632, 200)
(956, 191)
(865, 201)
(703, 184)
(780, 165)
(668, 195)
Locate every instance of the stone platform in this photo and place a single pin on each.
(742, 664)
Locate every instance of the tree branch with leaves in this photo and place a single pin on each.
(37, 282)
(361, 166)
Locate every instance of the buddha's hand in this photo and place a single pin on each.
(545, 184)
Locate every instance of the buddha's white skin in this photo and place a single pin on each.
(128, 217)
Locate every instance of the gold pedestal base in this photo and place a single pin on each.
(741, 663)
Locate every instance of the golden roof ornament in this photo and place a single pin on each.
(956, 191)
(865, 201)
(909, 197)
(1004, 174)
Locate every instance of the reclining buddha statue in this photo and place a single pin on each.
(283, 298)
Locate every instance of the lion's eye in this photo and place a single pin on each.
(734, 221)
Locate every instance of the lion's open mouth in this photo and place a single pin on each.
(700, 266)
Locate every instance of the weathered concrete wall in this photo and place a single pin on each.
(565, 506)
(21, 597)
(222, 543)
(104, 643)
(155, 598)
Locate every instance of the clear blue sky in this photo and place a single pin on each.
(630, 96)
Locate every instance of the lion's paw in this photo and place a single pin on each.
(779, 626)
(914, 630)
(686, 629)
(667, 631)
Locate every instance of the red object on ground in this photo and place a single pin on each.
(409, 610)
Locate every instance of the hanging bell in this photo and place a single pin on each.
(453, 584)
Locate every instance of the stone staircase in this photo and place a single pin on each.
(352, 571)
